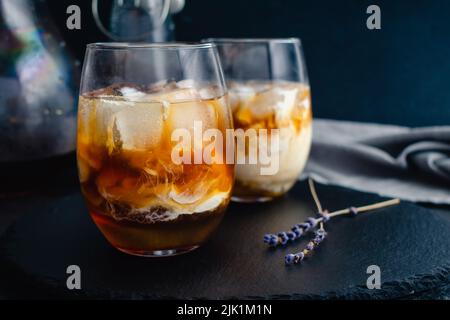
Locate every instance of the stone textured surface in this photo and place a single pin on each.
(411, 244)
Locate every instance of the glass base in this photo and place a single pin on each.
(251, 199)
(158, 253)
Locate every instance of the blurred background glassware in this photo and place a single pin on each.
(133, 97)
(39, 85)
(269, 89)
(137, 20)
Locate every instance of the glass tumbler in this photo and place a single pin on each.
(270, 95)
(146, 116)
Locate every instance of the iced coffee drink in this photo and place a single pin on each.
(285, 106)
(270, 99)
(142, 201)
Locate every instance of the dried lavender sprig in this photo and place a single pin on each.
(295, 258)
(320, 234)
(302, 228)
(282, 238)
(312, 189)
(298, 230)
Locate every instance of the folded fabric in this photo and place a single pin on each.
(408, 163)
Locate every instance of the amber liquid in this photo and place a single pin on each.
(184, 234)
(142, 201)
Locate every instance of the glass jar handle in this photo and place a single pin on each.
(162, 18)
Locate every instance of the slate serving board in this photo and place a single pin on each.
(410, 243)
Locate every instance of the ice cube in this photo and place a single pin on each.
(104, 110)
(188, 196)
(240, 95)
(182, 95)
(304, 97)
(186, 84)
(130, 93)
(117, 90)
(184, 115)
(210, 92)
(198, 182)
(86, 113)
(173, 96)
(276, 100)
(212, 203)
(138, 127)
(285, 106)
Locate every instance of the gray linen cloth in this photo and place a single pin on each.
(408, 163)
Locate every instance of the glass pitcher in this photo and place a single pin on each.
(38, 80)
(137, 20)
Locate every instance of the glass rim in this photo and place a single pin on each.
(252, 40)
(161, 45)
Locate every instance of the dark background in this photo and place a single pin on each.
(399, 74)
